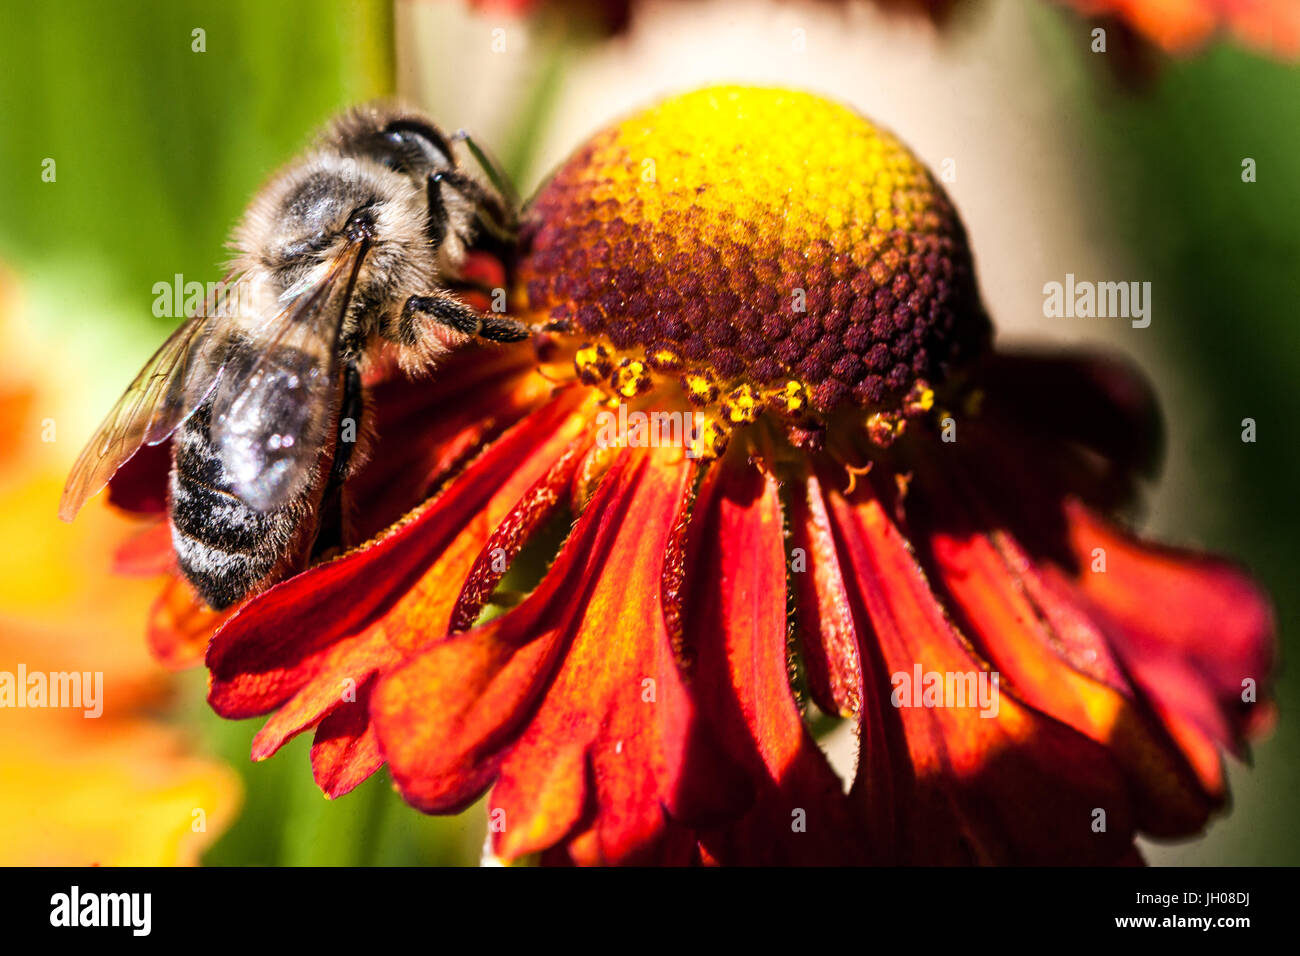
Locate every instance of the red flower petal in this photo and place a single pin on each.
(1014, 787)
(309, 639)
(140, 485)
(830, 638)
(424, 428)
(346, 751)
(735, 625)
(1192, 629)
(1095, 398)
(1186, 629)
(574, 698)
(1035, 628)
(833, 631)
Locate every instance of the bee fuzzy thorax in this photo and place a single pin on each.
(348, 251)
(292, 230)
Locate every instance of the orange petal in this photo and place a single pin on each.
(616, 738)
(181, 624)
(834, 630)
(999, 786)
(447, 716)
(1195, 631)
(574, 698)
(735, 627)
(1036, 630)
(1180, 26)
(147, 553)
(346, 751)
(308, 642)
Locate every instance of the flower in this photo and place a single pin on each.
(798, 475)
(1179, 26)
(120, 788)
(610, 15)
(1175, 26)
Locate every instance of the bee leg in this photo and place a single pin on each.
(499, 232)
(437, 208)
(500, 329)
(452, 312)
(330, 530)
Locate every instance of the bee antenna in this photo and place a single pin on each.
(500, 181)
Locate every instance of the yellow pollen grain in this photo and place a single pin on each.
(593, 364)
(667, 359)
(711, 439)
(632, 378)
(920, 400)
(884, 427)
(790, 398)
(742, 405)
(700, 390)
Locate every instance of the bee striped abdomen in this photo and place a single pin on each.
(224, 547)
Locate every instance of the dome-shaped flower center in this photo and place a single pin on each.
(764, 249)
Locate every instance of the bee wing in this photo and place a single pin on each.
(273, 404)
(172, 384)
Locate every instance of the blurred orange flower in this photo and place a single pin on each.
(1181, 26)
(611, 15)
(1176, 26)
(121, 788)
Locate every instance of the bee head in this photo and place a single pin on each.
(369, 178)
(405, 144)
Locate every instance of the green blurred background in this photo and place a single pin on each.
(159, 147)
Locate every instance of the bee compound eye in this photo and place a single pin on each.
(411, 144)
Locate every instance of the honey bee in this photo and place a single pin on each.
(347, 250)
